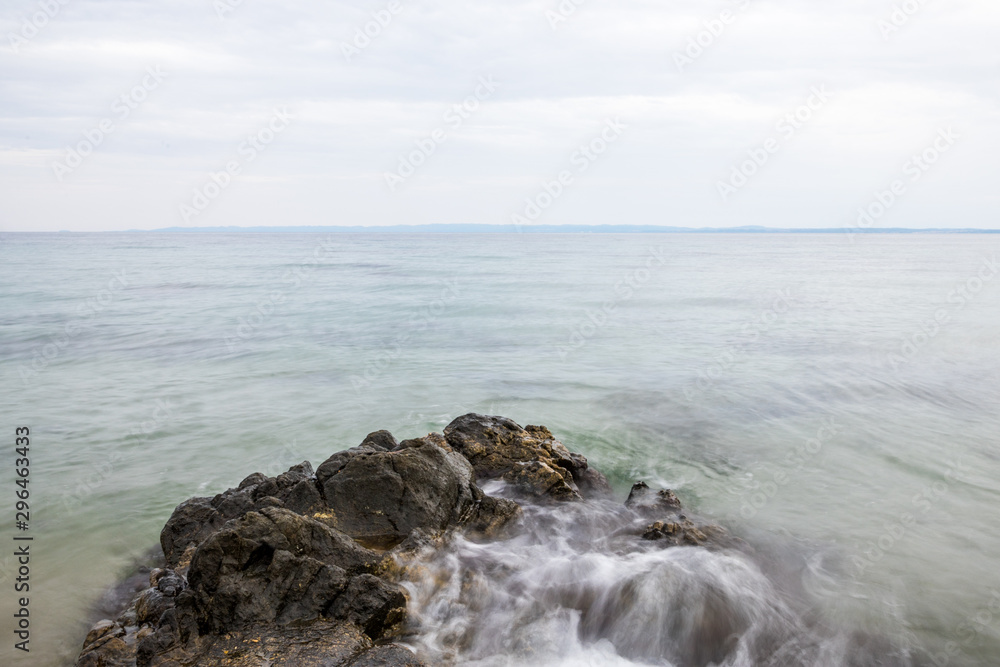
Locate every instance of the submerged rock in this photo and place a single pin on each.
(647, 502)
(674, 528)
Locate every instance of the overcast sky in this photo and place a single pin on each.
(118, 114)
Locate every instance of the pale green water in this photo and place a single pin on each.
(174, 388)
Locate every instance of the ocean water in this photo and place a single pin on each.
(833, 401)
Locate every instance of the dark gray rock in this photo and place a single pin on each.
(389, 655)
(151, 605)
(493, 518)
(304, 498)
(271, 566)
(380, 440)
(371, 604)
(379, 497)
(189, 525)
(592, 483)
(196, 519)
(168, 582)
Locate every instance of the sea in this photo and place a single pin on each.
(832, 400)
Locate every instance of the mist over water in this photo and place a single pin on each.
(833, 404)
(577, 587)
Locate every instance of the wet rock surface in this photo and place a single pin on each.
(673, 527)
(379, 497)
(647, 502)
(495, 446)
(305, 568)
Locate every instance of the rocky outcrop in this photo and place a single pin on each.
(303, 550)
(498, 447)
(303, 568)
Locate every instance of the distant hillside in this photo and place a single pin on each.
(561, 229)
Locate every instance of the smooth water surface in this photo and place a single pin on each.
(834, 402)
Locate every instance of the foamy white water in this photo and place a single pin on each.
(578, 587)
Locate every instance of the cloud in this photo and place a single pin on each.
(354, 118)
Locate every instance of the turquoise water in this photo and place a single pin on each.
(835, 402)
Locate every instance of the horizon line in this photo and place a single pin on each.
(531, 229)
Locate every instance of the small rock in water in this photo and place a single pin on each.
(649, 503)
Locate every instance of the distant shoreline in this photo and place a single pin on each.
(535, 229)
